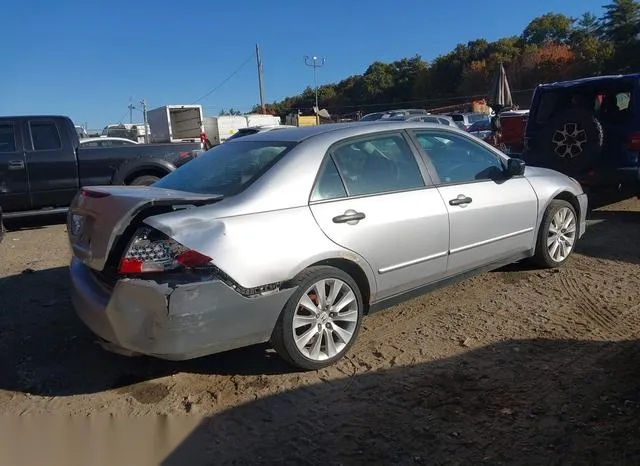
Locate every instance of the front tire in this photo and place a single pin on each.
(557, 235)
(321, 320)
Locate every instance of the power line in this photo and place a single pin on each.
(249, 58)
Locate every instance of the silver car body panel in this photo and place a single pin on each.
(270, 232)
(500, 221)
(175, 323)
(404, 236)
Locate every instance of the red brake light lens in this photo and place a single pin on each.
(634, 142)
(91, 193)
(151, 251)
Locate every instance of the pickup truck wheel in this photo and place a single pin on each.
(144, 180)
(557, 235)
(321, 320)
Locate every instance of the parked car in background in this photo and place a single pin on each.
(393, 113)
(513, 124)
(465, 120)
(481, 129)
(43, 164)
(428, 118)
(587, 128)
(292, 236)
(105, 142)
(257, 129)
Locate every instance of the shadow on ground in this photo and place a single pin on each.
(517, 402)
(46, 350)
(612, 235)
(34, 223)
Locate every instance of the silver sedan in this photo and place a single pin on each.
(293, 236)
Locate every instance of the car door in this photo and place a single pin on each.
(14, 181)
(373, 196)
(492, 216)
(51, 161)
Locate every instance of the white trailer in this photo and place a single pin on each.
(257, 119)
(219, 129)
(176, 123)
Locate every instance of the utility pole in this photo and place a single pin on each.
(144, 113)
(131, 108)
(259, 61)
(315, 66)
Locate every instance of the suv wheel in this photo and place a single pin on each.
(571, 142)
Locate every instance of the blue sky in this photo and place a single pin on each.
(87, 59)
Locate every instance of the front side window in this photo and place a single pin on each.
(456, 159)
(7, 138)
(227, 169)
(45, 136)
(377, 164)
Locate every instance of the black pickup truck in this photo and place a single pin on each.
(42, 165)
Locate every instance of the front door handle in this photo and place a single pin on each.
(16, 164)
(350, 216)
(460, 200)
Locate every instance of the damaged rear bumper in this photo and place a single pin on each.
(183, 322)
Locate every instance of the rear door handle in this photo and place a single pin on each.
(349, 216)
(16, 164)
(460, 200)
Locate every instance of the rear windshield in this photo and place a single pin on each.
(243, 132)
(227, 169)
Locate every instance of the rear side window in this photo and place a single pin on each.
(329, 184)
(7, 138)
(45, 136)
(227, 169)
(377, 164)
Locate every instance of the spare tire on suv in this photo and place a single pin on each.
(571, 142)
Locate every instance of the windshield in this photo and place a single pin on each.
(227, 169)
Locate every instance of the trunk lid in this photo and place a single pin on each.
(101, 218)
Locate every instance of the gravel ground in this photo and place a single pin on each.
(517, 366)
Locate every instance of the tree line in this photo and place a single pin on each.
(553, 47)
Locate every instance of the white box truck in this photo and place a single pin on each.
(176, 123)
(219, 129)
(257, 119)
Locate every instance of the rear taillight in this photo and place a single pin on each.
(151, 251)
(94, 194)
(634, 142)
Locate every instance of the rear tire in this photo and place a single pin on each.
(311, 336)
(144, 180)
(557, 236)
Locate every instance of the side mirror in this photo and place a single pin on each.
(515, 167)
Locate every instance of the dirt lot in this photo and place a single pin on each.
(518, 366)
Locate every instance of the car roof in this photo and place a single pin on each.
(609, 79)
(299, 134)
(106, 138)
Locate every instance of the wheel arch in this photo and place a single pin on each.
(354, 271)
(561, 195)
(129, 171)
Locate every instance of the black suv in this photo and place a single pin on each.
(588, 129)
